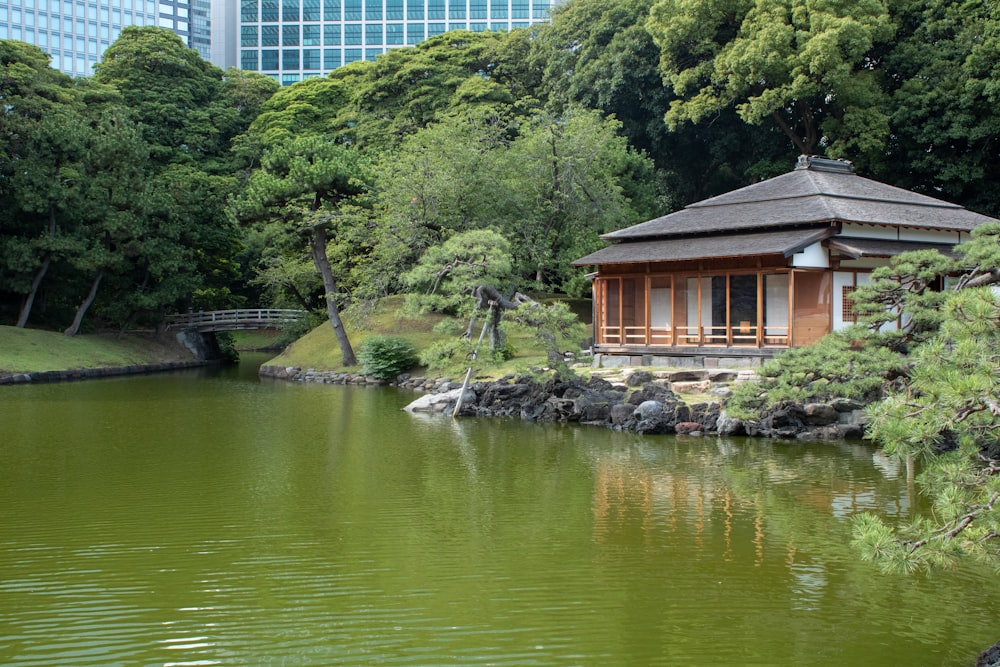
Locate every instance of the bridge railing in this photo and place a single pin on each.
(255, 317)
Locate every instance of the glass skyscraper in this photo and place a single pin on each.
(75, 33)
(291, 40)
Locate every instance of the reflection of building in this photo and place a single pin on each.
(762, 268)
(728, 505)
(76, 34)
(295, 39)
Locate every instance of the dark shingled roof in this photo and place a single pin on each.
(785, 242)
(817, 191)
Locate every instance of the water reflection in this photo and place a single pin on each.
(221, 520)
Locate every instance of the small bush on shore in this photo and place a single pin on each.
(385, 357)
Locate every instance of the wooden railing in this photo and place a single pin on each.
(237, 318)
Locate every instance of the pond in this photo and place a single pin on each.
(211, 518)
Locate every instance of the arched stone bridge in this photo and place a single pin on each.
(237, 318)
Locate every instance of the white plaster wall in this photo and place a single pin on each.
(928, 236)
(814, 257)
(869, 231)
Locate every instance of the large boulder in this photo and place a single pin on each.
(441, 403)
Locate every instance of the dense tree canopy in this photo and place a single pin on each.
(613, 112)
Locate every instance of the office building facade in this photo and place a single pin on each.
(76, 33)
(291, 40)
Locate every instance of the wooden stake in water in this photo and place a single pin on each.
(475, 353)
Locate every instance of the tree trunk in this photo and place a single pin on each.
(29, 299)
(82, 310)
(317, 248)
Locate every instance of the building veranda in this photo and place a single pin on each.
(760, 269)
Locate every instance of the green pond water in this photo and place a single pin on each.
(209, 518)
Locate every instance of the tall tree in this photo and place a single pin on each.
(40, 146)
(305, 184)
(566, 179)
(807, 66)
(944, 81)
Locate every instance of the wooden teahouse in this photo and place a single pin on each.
(739, 277)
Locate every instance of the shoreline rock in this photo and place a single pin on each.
(640, 407)
(640, 401)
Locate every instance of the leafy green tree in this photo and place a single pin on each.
(806, 66)
(407, 89)
(944, 82)
(567, 179)
(444, 278)
(174, 94)
(949, 418)
(442, 180)
(40, 147)
(306, 183)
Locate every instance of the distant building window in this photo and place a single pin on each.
(352, 34)
(331, 34)
(248, 60)
(394, 10)
(352, 11)
(310, 35)
(372, 54)
(414, 33)
(415, 10)
(290, 59)
(270, 35)
(248, 11)
(310, 59)
(394, 33)
(331, 10)
(477, 9)
(311, 10)
(456, 9)
(373, 34)
(331, 58)
(435, 29)
(289, 10)
(290, 35)
(269, 59)
(373, 10)
(289, 79)
(351, 55)
(269, 10)
(248, 36)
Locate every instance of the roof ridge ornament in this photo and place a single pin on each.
(817, 163)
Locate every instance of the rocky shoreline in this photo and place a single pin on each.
(640, 401)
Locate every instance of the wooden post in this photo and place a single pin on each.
(468, 373)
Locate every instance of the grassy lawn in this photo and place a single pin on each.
(318, 349)
(28, 350)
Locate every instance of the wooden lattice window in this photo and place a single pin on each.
(847, 299)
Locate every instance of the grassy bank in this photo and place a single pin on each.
(32, 350)
(319, 350)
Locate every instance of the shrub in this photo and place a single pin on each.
(847, 364)
(441, 355)
(385, 357)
